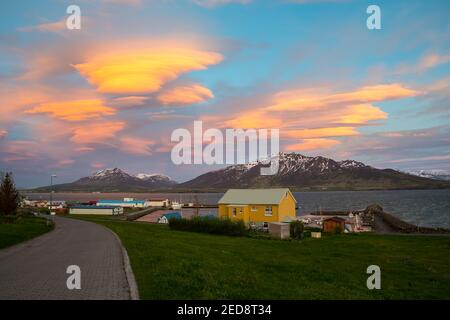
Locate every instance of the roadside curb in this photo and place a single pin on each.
(132, 285)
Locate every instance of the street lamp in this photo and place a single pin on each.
(51, 191)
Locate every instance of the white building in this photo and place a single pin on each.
(159, 202)
(98, 210)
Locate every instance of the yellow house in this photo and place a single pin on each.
(258, 206)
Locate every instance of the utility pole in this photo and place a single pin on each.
(51, 191)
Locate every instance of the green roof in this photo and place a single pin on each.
(254, 196)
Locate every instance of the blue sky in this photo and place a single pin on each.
(70, 104)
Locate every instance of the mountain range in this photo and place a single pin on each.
(115, 180)
(296, 171)
(437, 174)
(300, 172)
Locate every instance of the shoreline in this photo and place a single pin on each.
(196, 191)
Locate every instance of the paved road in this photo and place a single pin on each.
(37, 269)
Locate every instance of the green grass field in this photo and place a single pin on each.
(24, 228)
(183, 265)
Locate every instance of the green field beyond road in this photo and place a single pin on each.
(185, 265)
(21, 229)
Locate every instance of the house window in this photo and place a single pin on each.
(268, 211)
(254, 209)
(234, 212)
(240, 210)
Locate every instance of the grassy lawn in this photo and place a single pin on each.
(183, 265)
(24, 228)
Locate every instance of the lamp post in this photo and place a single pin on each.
(51, 191)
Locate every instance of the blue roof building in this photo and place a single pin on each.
(170, 215)
(129, 203)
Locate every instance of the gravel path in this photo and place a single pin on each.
(37, 269)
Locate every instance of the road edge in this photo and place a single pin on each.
(131, 280)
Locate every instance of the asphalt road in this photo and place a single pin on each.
(37, 269)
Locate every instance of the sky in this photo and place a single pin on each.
(111, 93)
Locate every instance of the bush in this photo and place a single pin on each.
(296, 229)
(44, 210)
(210, 225)
(10, 219)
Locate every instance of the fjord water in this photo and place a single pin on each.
(429, 208)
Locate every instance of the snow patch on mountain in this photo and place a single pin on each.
(152, 176)
(437, 174)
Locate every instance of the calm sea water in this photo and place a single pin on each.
(422, 207)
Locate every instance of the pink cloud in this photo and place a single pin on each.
(97, 133)
(136, 146)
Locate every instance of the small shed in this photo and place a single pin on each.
(170, 215)
(279, 230)
(334, 224)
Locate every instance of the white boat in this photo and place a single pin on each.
(176, 205)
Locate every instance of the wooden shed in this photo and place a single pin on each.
(333, 224)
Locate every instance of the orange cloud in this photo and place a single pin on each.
(143, 69)
(97, 132)
(47, 27)
(137, 146)
(426, 62)
(312, 144)
(361, 114)
(312, 115)
(255, 119)
(3, 133)
(305, 99)
(63, 163)
(98, 165)
(322, 132)
(185, 95)
(130, 101)
(74, 110)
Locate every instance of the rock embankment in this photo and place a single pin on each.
(384, 222)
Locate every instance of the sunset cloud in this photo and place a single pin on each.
(143, 70)
(185, 95)
(97, 133)
(137, 146)
(426, 62)
(63, 163)
(322, 132)
(130, 101)
(47, 27)
(311, 115)
(304, 100)
(312, 144)
(74, 110)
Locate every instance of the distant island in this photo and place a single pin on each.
(296, 171)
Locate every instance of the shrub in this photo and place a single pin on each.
(296, 229)
(44, 210)
(337, 230)
(210, 225)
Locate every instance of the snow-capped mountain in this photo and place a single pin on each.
(115, 179)
(437, 174)
(156, 178)
(152, 176)
(308, 173)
